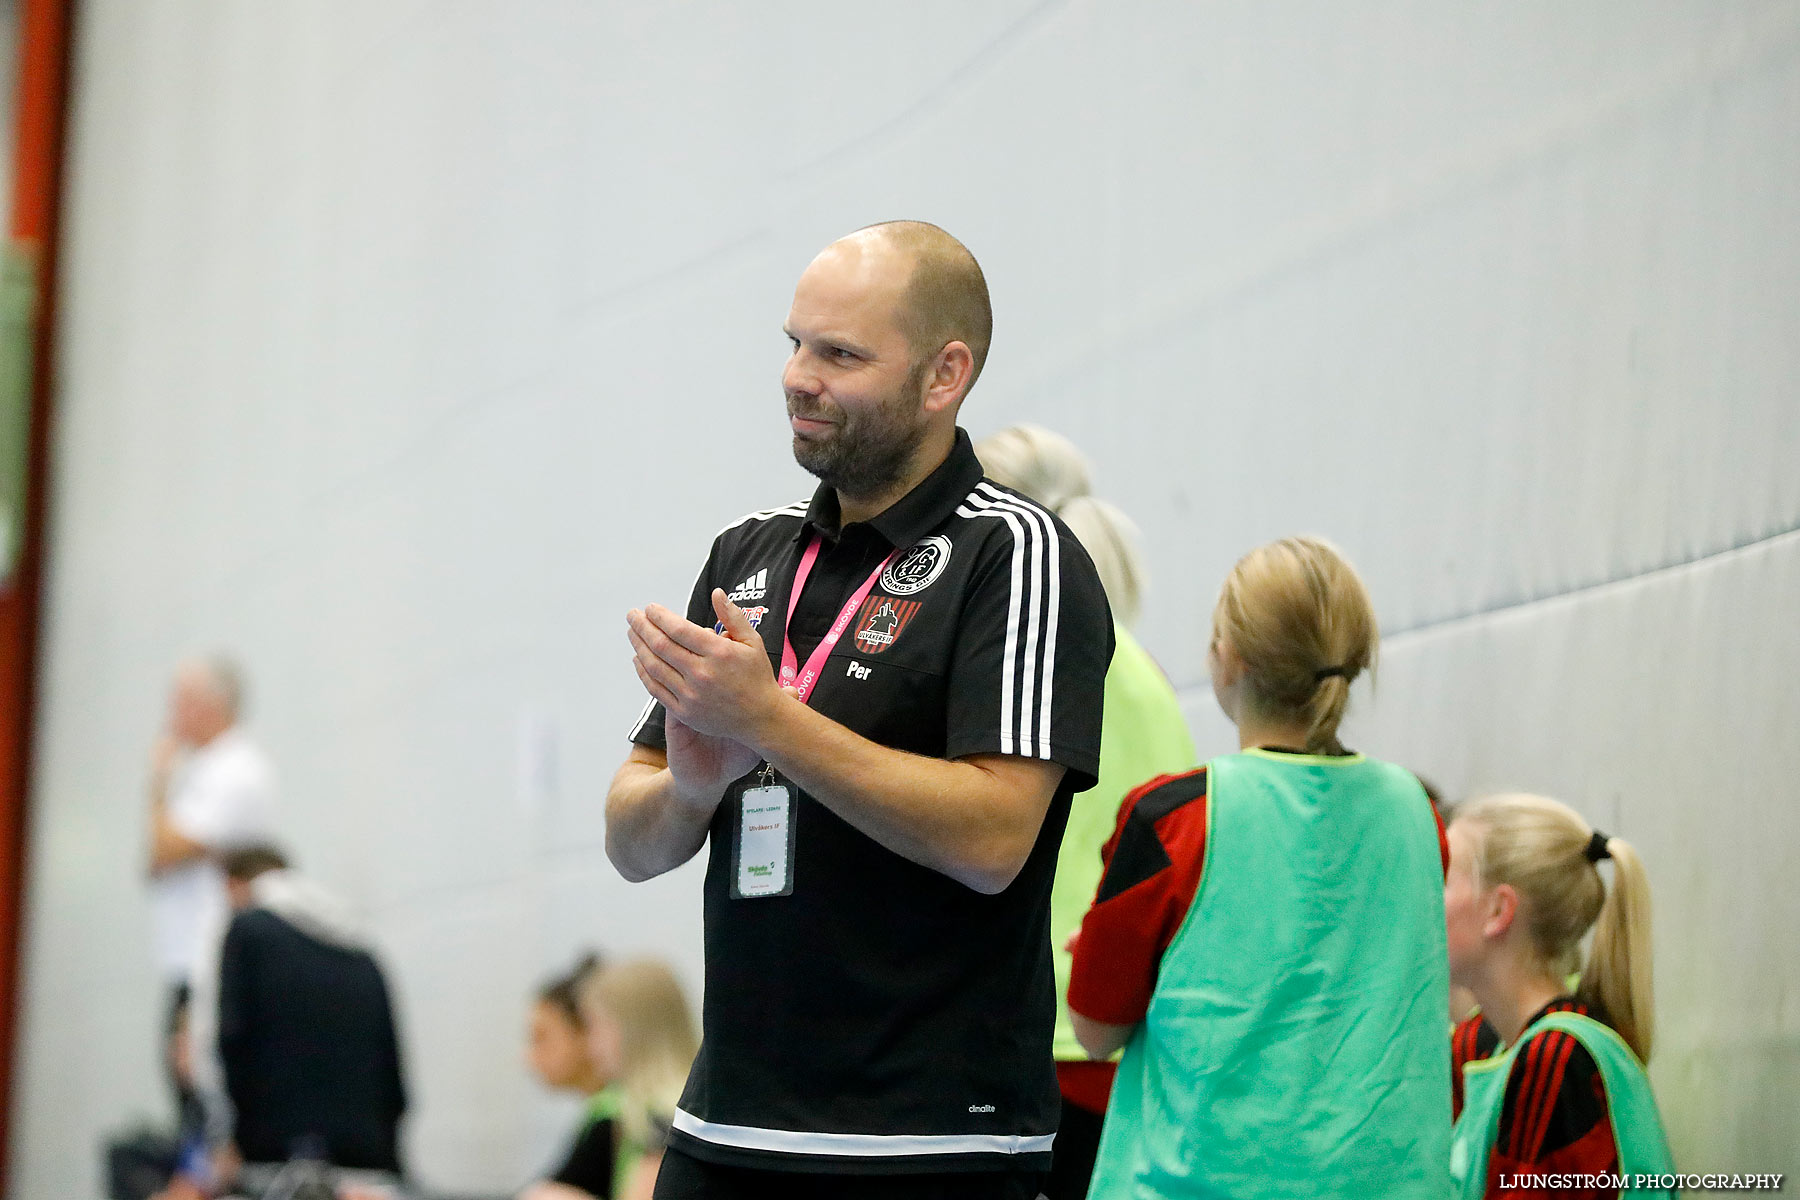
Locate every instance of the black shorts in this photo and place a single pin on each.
(685, 1178)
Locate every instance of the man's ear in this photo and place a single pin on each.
(952, 370)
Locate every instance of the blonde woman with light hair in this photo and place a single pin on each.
(1143, 735)
(1282, 1013)
(1047, 467)
(1566, 1094)
(641, 1033)
(641, 1042)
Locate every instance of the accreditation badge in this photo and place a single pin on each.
(763, 864)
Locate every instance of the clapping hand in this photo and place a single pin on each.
(711, 686)
(715, 683)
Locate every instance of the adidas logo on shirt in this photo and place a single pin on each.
(752, 588)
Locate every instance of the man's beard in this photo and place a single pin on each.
(870, 449)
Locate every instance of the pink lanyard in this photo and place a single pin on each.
(804, 681)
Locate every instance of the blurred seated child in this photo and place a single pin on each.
(640, 1044)
(557, 1053)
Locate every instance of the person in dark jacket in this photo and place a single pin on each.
(306, 1038)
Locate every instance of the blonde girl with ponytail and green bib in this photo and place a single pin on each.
(1267, 941)
(1566, 1093)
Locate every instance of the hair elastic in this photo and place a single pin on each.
(1324, 673)
(1596, 847)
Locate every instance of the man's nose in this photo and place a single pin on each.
(799, 376)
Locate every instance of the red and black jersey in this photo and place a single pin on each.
(1154, 861)
(1471, 1041)
(1555, 1119)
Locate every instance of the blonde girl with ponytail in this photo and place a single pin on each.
(1567, 1093)
(1267, 941)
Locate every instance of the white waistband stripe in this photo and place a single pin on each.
(862, 1145)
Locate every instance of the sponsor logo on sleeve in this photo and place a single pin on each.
(756, 613)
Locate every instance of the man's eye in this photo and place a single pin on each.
(840, 353)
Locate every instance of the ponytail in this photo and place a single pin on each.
(1325, 712)
(1549, 855)
(1617, 976)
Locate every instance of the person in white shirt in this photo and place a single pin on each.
(212, 789)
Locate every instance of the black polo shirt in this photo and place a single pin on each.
(884, 1017)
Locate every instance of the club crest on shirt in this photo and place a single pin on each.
(918, 568)
(880, 620)
(756, 614)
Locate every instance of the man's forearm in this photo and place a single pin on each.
(975, 821)
(650, 827)
(159, 817)
(169, 847)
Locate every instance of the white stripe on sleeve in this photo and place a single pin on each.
(643, 719)
(796, 509)
(1052, 577)
(1026, 687)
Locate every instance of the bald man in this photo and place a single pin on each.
(873, 715)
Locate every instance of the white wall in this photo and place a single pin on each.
(407, 345)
